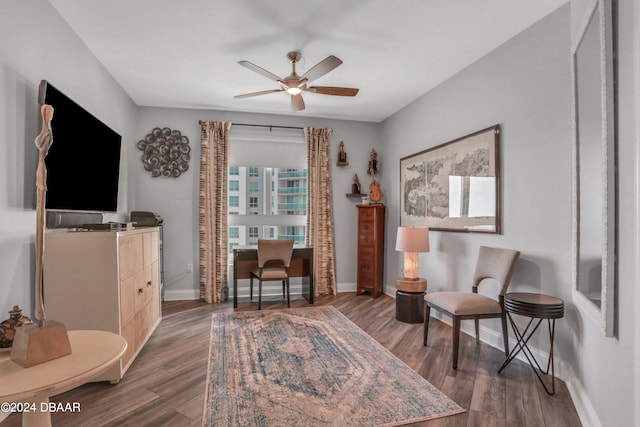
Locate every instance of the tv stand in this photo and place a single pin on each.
(107, 280)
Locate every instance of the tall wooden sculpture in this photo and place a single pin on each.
(41, 341)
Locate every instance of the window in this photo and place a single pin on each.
(234, 185)
(234, 201)
(270, 167)
(234, 233)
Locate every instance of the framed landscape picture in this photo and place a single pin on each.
(454, 186)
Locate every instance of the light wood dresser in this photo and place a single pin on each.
(105, 280)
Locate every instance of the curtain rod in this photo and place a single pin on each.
(263, 126)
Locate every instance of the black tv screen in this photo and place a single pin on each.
(83, 163)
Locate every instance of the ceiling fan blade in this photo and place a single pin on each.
(297, 103)
(259, 70)
(332, 90)
(322, 68)
(264, 92)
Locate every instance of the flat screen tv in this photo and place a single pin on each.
(83, 163)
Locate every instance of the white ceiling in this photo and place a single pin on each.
(184, 54)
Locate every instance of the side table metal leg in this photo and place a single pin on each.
(522, 340)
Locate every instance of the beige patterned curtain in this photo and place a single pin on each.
(320, 232)
(214, 156)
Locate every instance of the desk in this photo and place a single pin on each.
(244, 260)
(92, 352)
(537, 307)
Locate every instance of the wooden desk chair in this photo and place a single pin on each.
(493, 263)
(274, 258)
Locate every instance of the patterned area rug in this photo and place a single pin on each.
(310, 367)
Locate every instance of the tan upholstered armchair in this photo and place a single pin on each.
(493, 263)
(274, 257)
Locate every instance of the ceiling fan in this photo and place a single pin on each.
(294, 84)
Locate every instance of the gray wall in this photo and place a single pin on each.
(177, 199)
(524, 85)
(36, 44)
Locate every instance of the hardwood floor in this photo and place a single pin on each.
(165, 385)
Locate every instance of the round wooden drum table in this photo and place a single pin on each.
(537, 307)
(410, 300)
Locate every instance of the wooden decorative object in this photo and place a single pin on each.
(355, 187)
(34, 344)
(8, 327)
(39, 343)
(375, 194)
(342, 156)
(373, 163)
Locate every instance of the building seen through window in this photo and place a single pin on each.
(266, 203)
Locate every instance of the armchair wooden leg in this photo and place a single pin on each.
(427, 311)
(260, 295)
(456, 340)
(477, 322)
(283, 296)
(505, 334)
(251, 289)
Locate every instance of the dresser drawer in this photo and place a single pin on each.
(366, 232)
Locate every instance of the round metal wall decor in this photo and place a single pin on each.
(165, 152)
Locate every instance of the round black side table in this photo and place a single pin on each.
(537, 307)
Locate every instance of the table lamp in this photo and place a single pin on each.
(412, 240)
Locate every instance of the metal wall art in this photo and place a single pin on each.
(165, 152)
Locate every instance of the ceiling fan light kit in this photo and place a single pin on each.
(294, 84)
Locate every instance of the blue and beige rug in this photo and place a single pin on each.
(310, 367)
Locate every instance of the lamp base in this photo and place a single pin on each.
(34, 345)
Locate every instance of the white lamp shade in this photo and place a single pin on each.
(412, 239)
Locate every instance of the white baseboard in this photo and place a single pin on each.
(586, 411)
(181, 294)
(347, 287)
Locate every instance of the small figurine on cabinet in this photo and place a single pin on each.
(375, 194)
(373, 163)
(342, 155)
(355, 187)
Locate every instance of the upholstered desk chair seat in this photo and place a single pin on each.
(274, 258)
(493, 263)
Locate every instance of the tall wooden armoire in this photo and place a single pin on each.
(370, 249)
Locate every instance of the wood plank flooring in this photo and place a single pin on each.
(165, 385)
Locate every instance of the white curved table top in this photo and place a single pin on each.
(92, 352)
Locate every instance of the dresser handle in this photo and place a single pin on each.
(149, 283)
(140, 291)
